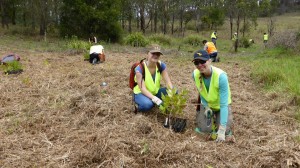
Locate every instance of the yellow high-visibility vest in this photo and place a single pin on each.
(213, 35)
(266, 37)
(212, 96)
(152, 86)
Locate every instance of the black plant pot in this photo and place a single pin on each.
(177, 124)
(14, 71)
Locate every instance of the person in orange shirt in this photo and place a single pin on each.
(211, 50)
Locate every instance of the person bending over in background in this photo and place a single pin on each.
(211, 50)
(213, 87)
(97, 54)
(148, 91)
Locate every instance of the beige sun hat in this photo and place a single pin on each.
(155, 48)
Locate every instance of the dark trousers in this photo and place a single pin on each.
(92, 56)
(213, 56)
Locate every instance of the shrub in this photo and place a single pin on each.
(136, 40)
(78, 45)
(12, 67)
(160, 39)
(284, 39)
(244, 42)
(192, 40)
(174, 102)
(86, 56)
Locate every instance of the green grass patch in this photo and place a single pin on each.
(160, 39)
(12, 67)
(278, 70)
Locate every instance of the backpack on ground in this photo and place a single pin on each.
(10, 58)
(132, 83)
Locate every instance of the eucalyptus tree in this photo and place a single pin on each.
(5, 8)
(83, 17)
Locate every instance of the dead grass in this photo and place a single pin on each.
(56, 114)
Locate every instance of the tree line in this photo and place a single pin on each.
(109, 18)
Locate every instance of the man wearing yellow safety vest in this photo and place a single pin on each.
(213, 87)
(211, 50)
(148, 91)
(213, 37)
(266, 37)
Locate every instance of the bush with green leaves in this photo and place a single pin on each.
(192, 40)
(136, 40)
(78, 45)
(244, 42)
(12, 67)
(174, 103)
(86, 56)
(160, 39)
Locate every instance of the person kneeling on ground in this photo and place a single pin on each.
(211, 50)
(148, 91)
(213, 87)
(97, 54)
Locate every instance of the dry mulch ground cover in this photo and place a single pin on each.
(56, 114)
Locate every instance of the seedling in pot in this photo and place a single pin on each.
(173, 105)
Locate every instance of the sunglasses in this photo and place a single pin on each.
(197, 62)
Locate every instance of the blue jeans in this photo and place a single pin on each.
(144, 103)
(213, 56)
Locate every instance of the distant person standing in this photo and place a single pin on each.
(234, 41)
(211, 49)
(266, 37)
(93, 39)
(213, 37)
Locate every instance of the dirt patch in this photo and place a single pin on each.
(56, 114)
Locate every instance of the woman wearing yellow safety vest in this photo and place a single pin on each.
(213, 87)
(148, 91)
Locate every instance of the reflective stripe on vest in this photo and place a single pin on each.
(213, 96)
(211, 48)
(213, 35)
(151, 86)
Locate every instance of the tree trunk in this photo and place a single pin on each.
(172, 24)
(181, 21)
(231, 25)
(142, 17)
(43, 17)
(237, 30)
(197, 22)
(13, 17)
(155, 19)
(4, 15)
(165, 17)
(244, 27)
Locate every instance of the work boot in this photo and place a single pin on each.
(134, 108)
(94, 61)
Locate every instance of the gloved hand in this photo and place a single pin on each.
(156, 100)
(221, 133)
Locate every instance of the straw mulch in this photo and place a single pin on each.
(56, 114)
